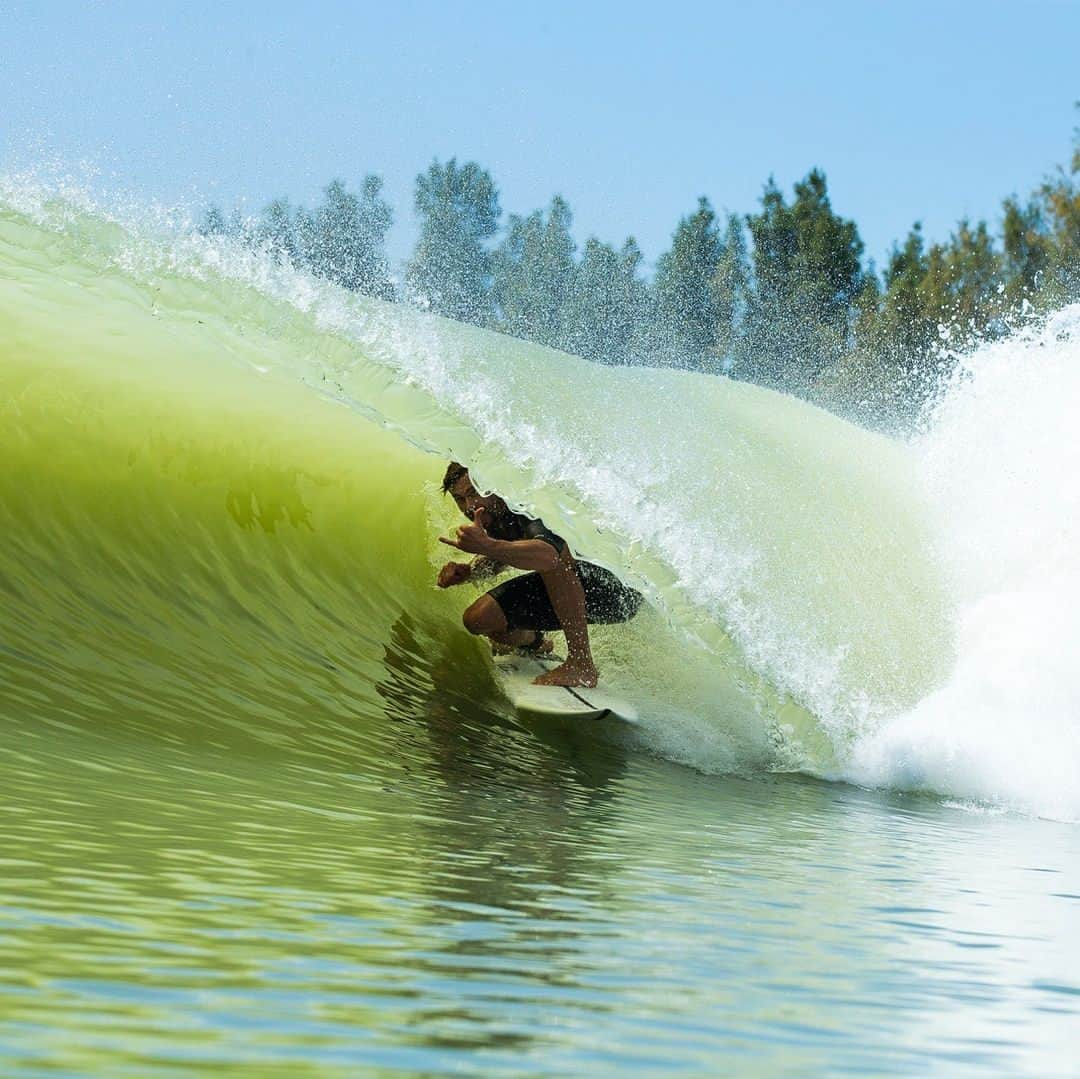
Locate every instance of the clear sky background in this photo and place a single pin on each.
(915, 110)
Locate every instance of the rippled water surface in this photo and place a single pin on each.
(452, 892)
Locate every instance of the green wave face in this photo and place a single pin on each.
(219, 500)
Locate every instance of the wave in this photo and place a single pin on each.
(220, 489)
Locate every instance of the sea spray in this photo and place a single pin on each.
(1001, 465)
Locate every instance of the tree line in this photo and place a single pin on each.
(782, 296)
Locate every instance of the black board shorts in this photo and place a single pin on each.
(524, 600)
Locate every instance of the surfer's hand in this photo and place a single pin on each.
(472, 539)
(454, 573)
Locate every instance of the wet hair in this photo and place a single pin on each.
(454, 472)
(503, 517)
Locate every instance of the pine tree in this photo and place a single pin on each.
(686, 311)
(606, 309)
(348, 237)
(450, 270)
(1059, 199)
(962, 289)
(213, 222)
(728, 287)
(906, 329)
(1027, 251)
(532, 275)
(897, 334)
(278, 232)
(807, 273)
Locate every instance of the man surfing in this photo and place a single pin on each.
(557, 592)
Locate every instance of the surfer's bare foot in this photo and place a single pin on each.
(569, 674)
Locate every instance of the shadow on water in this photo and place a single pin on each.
(472, 732)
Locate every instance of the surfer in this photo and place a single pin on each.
(557, 592)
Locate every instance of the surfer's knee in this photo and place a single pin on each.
(484, 616)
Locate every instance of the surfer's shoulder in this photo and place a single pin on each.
(534, 528)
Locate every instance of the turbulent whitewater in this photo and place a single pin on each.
(219, 500)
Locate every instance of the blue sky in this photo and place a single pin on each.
(918, 110)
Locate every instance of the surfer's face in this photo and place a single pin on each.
(469, 500)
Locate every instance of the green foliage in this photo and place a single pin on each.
(345, 238)
(904, 333)
(780, 297)
(685, 311)
(888, 370)
(533, 275)
(213, 222)
(1059, 202)
(807, 273)
(1027, 251)
(728, 292)
(605, 313)
(450, 271)
(963, 284)
(277, 230)
(935, 302)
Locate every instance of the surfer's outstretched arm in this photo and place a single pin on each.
(483, 568)
(529, 554)
(480, 569)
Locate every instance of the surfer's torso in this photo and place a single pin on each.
(524, 600)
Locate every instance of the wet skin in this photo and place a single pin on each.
(557, 570)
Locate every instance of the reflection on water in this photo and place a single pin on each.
(435, 888)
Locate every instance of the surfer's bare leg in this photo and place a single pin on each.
(485, 618)
(568, 601)
(529, 640)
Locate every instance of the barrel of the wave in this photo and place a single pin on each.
(195, 537)
(229, 471)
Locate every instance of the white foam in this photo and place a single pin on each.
(1002, 465)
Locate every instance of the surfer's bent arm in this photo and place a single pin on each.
(481, 568)
(529, 554)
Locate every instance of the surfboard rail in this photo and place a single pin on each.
(517, 672)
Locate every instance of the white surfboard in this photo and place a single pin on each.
(516, 673)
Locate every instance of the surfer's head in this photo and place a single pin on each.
(460, 487)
